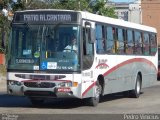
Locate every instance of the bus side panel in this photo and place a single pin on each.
(125, 76)
(126, 73)
(104, 65)
(88, 83)
(151, 77)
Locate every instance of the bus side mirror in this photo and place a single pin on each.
(89, 32)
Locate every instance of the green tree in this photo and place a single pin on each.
(3, 3)
(77, 5)
(4, 26)
(94, 6)
(22, 4)
(101, 9)
(59, 4)
(4, 30)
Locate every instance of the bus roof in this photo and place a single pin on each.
(103, 19)
(117, 22)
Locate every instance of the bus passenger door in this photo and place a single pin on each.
(106, 58)
(87, 58)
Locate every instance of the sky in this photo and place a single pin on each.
(122, 0)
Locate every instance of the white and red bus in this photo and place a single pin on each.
(111, 56)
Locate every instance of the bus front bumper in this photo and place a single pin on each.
(55, 92)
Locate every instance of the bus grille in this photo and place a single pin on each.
(39, 84)
(39, 94)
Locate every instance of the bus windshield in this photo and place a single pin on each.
(45, 47)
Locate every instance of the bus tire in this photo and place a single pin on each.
(93, 101)
(135, 93)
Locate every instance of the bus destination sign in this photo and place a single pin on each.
(45, 16)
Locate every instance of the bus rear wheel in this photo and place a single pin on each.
(93, 101)
(135, 93)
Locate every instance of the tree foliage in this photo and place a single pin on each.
(4, 32)
(22, 4)
(4, 25)
(101, 9)
(94, 6)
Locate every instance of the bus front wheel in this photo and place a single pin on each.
(93, 101)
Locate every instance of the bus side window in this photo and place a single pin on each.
(110, 40)
(130, 42)
(88, 51)
(138, 43)
(146, 43)
(84, 45)
(120, 46)
(100, 41)
(153, 43)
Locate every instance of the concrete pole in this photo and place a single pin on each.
(79, 4)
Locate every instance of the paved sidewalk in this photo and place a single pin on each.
(3, 84)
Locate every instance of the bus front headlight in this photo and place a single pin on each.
(65, 84)
(12, 82)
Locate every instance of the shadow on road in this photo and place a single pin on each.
(18, 101)
(13, 101)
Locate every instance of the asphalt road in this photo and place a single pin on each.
(112, 107)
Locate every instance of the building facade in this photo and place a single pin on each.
(151, 15)
(129, 11)
(146, 12)
(122, 10)
(135, 12)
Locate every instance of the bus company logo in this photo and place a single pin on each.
(102, 64)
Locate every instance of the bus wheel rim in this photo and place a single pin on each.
(97, 91)
(138, 87)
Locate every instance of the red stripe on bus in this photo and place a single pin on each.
(88, 89)
(120, 65)
(128, 62)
